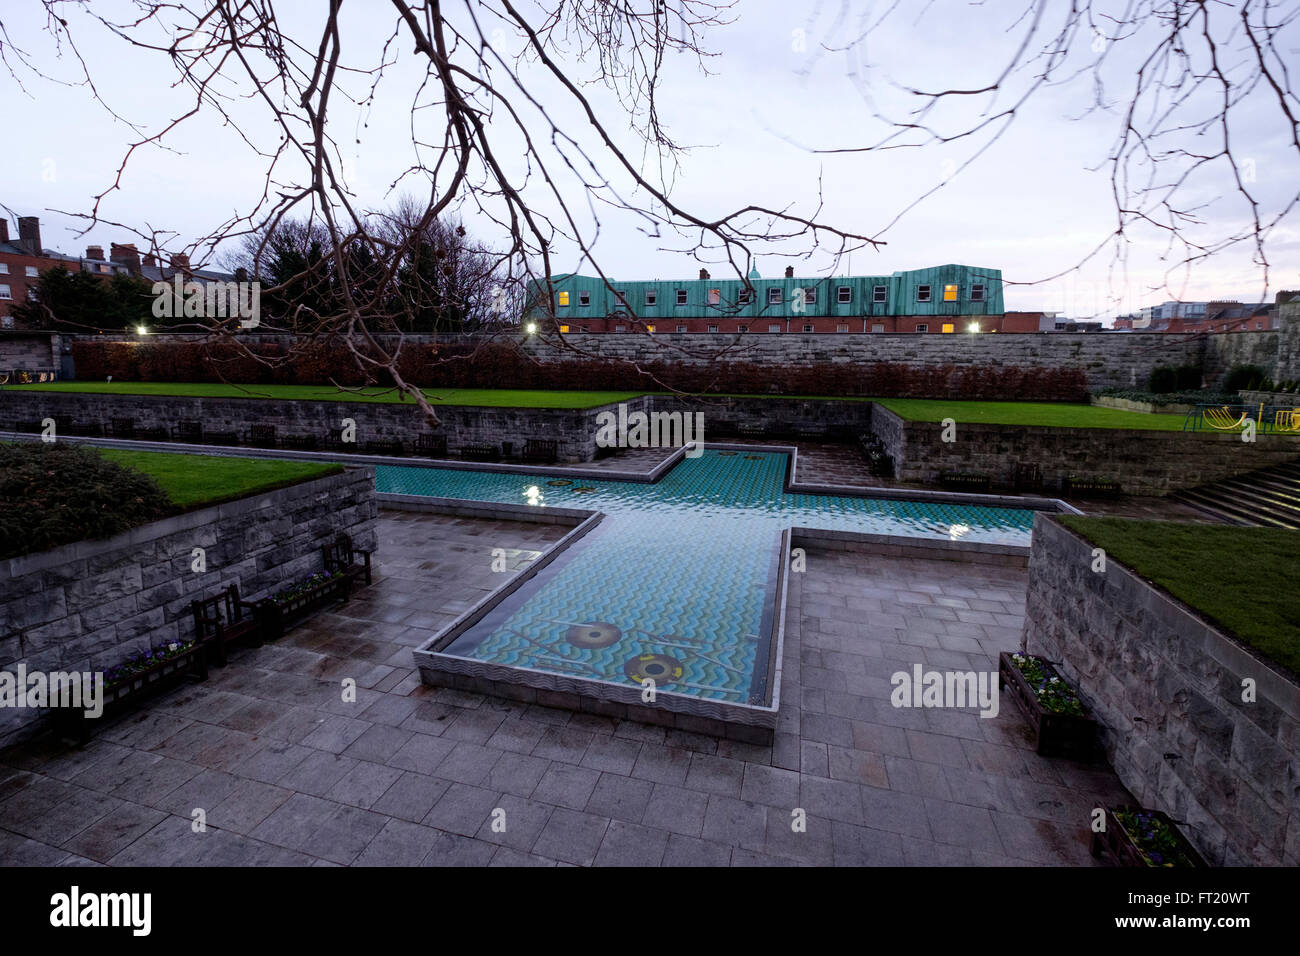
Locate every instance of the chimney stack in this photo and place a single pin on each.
(181, 262)
(704, 273)
(94, 252)
(29, 234)
(150, 259)
(125, 254)
(789, 272)
(4, 229)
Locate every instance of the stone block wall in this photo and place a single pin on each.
(1166, 688)
(85, 606)
(1144, 462)
(575, 429)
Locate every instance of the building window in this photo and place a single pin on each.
(774, 296)
(810, 295)
(947, 327)
(7, 321)
(651, 298)
(681, 296)
(582, 328)
(774, 328)
(844, 294)
(742, 328)
(877, 328)
(713, 328)
(620, 328)
(564, 328)
(564, 299)
(681, 328)
(923, 327)
(923, 293)
(4, 268)
(950, 292)
(745, 297)
(584, 298)
(32, 273)
(977, 292)
(807, 328)
(842, 327)
(649, 328)
(5, 293)
(1259, 325)
(715, 296)
(879, 293)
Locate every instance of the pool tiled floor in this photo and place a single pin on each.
(288, 773)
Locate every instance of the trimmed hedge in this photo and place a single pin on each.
(53, 494)
(488, 366)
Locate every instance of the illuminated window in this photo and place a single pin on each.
(950, 293)
(564, 298)
(977, 292)
(879, 293)
(649, 328)
(947, 327)
(844, 294)
(584, 298)
(564, 328)
(923, 293)
(715, 296)
(681, 296)
(773, 296)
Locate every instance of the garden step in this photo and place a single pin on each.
(1238, 509)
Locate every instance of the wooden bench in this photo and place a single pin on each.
(383, 446)
(965, 481)
(260, 436)
(543, 450)
(121, 427)
(224, 619)
(431, 446)
(1028, 477)
(220, 438)
(479, 452)
(188, 431)
(302, 442)
(157, 433)
(342, 556)
(751, 428)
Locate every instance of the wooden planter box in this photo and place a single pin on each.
(1116, 841)
(278, 616)
(965, 482)
(130, 691)
(1054, 735)
(1092, 487)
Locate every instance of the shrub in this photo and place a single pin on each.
(1188, 378)
(53, 494)
(1162, 379)
(1243, 377)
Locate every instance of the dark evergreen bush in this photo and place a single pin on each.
(53, 494)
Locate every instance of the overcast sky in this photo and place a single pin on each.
(782, 85)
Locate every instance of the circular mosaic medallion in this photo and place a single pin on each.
(596, 634)
(660, 668)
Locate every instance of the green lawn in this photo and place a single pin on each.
(480, 397)
(1060, 415)
(193, 481)
(1237, 577)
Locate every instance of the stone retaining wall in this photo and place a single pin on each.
(1167, 689)
(575, 429)
(1144, 462)
(85, 606)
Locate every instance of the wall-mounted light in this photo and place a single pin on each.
(531, 328)
(973, 327)
(141, 330)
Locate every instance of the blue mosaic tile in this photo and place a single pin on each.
(678, 583)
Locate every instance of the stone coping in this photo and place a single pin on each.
(153, 530)
(904, 546)
(1238, 657)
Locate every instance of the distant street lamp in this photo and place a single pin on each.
(973, 327)
(531, 328)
